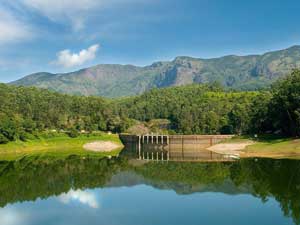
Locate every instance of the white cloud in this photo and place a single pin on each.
(73, 11)
(68, 59)
(53, 8)
(83, 197)
(12, 29)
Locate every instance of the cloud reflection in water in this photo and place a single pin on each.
(12, 216)
(84, 197)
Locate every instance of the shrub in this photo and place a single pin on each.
(73, 133)
(3, 139)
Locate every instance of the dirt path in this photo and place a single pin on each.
(101, 146)
(230, 148)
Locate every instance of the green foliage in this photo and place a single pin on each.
(285, 104)
(27, 113)
(3, 139)
(207, 109)
(192, 109)
(201, 109)
(73, 133)
(8, 127)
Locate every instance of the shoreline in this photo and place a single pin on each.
(59, 147)
(247, 148)
(110, 145)
(101, 146)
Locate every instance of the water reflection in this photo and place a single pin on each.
(39, 189)
(12, 216)
(188, 152)
(84, 197)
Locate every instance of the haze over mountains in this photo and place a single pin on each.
(238, 72)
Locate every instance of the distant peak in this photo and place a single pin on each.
(158, 64)
(294, 47)
(184, 59)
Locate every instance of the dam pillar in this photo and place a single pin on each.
(182, 146)
(139, 146)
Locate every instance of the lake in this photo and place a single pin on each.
(124, 190)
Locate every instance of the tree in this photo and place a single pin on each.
(285, 104)
(8, 127)
(3, 139)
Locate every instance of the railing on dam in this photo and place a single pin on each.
(173, 147)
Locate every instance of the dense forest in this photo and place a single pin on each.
(199, 109)
(26, 112)
(208, 109)
(202, 109)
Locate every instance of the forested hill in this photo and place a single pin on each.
(192, 109)
(237, 72)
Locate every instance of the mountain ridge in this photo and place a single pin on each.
(247, 72)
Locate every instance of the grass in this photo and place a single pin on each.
(269, 146)
(60, 147)
(64, 146)
(276, 148)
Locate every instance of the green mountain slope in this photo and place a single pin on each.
(239, 72)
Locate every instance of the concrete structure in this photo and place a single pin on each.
(159, 147)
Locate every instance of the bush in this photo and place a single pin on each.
(24, 136)
(3, 139)
(49, 134)
(73, 133)
(227, 129)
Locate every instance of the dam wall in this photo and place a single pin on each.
(174, 141)
(172, 147)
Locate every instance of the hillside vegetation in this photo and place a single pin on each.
(26, 112)
(194, 109)
(233, 72)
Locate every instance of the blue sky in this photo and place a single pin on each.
(66, 35)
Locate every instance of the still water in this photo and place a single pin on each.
(39, 191)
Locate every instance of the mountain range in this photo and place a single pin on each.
(111, 80)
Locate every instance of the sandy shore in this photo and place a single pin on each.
(230, 148)
(101, 146)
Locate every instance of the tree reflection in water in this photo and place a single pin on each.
(31, 178)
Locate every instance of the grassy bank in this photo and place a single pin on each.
(274, 148)
(60, 146)
(269, 147)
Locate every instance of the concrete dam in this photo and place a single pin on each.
(158, 147)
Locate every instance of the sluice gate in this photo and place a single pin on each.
(157, 147)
